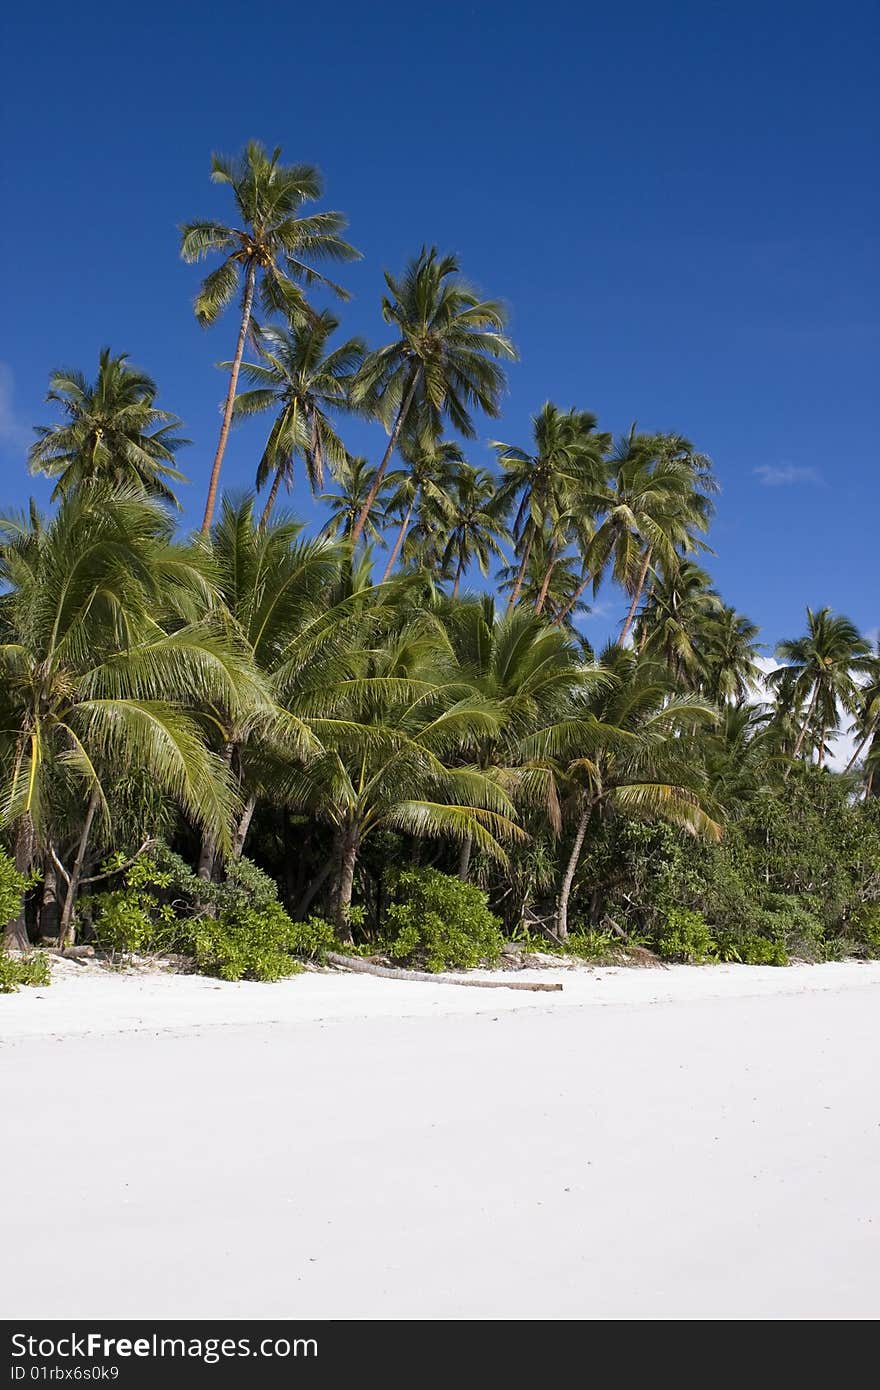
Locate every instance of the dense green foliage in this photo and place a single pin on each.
(414, 768)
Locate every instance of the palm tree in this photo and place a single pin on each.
(562, 590)
(657, 501)
(676, 616)
(402, 718)
(531, 674)
(474, 521)
(112, 433)
(622, 756)
(422, 487)
(94, 684)
(821, 666)
(867, 714)
(275, 249)
(444, 362)
(354, 480)
(300, 382)
(544, 486)
(728, 649)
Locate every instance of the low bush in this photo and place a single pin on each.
(686, 937)
(438, 922)
(22, 970)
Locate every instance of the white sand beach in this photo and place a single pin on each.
(679, 1143)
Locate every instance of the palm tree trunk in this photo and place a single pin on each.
(247, 303)
(570, 871)
(572, 602)
(545, 585)
(822, 747)
(65, 927)
(313, 890)
(636, 596)
(858, 753)
(803, 733)
(514, 597)
(348, 858)
(49, 900)
(392, 559)
(383, 466)
(243, 827)
(464, 862)
(458, 573)
(270, 500)
(15, 935)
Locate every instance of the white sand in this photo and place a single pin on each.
(684, 1143)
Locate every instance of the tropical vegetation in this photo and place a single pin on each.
(387, 731)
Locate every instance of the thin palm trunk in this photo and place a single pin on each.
(630, 617)
(373, 493)
(15, 932)
(270, 500)
(514, 597)
(458, 573)
(243, 827)
(542, 596)
(570, 871)
(247, 304)
(65, 927)
(572, 602)
(392, 559)
(49, 900)
(806, 724)
(859, 751)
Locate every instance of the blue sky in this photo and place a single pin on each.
(678, 203)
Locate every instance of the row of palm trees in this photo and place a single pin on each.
(194, 688)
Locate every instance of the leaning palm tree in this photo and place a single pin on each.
(821, 667)
(112, 432)
(274, 248)
(105, 665)
(302, 384)
(444, 363)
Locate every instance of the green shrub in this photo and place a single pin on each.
(751, 949)
(23, 970)
(313, 938)
(439, 922)
(13, 886)
(246, 944)
(686, 937)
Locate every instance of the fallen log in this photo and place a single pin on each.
(387, 972)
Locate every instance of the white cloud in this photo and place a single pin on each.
(14, 436)
(785, 475)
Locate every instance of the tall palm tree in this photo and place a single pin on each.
(543, 486)
(822, 666)
(866, 722)
(561, 582)
(112, 433)
(274, 249)
(422, 487)
(301, 383)
(657, 502)
(94, 684)
(443, 363)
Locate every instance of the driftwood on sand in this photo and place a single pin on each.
(387, 972)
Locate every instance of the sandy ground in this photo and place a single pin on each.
(682, 1143)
